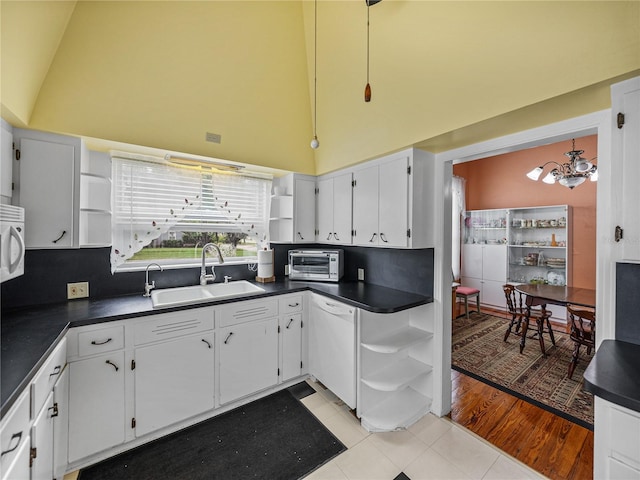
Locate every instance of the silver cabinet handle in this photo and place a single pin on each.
(56, 371)
(293, 305)
(289, 324)
(336, 236)
(300, 235)
(226, 340)
(372, 237)
(95, 342)
(207, 342)
(54, 410)
(383, 238)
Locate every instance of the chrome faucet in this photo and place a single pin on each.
(149, 286)
(204, 278)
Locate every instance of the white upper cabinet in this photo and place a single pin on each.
(6, 161)
(334, 207)
(293, 206)
(625, 108)
(392, 204)
(48, 187)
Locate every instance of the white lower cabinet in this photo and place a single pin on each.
(248, 358)
(96, 404)
(42, 442)
(395, 367)
(34, 432)
(616, 452)
(291, 346)
(19, 469)
(173, 381)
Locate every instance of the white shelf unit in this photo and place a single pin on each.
(95, 200)
(539, 250)
(395, 364)
(484, 255)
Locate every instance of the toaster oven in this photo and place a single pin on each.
(316, 265)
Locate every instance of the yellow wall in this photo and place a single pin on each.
(31, 33)
(162, 74)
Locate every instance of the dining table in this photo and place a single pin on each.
(544, 294)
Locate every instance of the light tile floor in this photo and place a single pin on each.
(432, 448)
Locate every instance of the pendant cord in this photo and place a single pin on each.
(368, 42)
(315, 68)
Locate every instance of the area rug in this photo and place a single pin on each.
(478, 350)
(275, 437)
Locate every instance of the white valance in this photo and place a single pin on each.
(150, 198)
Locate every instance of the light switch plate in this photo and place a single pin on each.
(77, 290)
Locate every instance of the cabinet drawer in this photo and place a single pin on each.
(100, 341)
(15, 430)
(171, 325)
(290, 304)
(47, 376)
(246, 311)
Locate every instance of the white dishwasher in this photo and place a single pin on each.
(332, 347)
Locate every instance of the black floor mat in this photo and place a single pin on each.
(275, 437)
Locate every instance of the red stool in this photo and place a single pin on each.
(466, 293)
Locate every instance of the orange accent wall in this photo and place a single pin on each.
(501, 182)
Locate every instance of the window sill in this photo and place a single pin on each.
(140, 266)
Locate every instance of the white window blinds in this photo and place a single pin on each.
(150, 199)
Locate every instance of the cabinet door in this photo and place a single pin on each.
(304, 210)
(248, 358)
(19, 468)
(96, 404)
(365, 206)
(173, 381)
(342, 209)
(325, 210)
(6, 161)
(46, 193)
(42, 442)
(61, 424)
(471, 261)
(494, 263)
(291, 346)
(393, 209)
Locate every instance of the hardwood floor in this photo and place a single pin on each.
(549, 444)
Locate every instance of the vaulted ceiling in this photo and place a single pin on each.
(443, 73)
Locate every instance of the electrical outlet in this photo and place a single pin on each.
(77, 290)
(286, 269)
(361, 274)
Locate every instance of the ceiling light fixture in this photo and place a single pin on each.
(367, 88)
(570, 174)
(315, 143)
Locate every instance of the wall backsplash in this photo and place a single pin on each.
(628, 302)
(47, 273)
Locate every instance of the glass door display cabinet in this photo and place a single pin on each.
(484, 254)
(539, 242)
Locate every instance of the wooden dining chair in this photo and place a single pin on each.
(583, 332)
(520, 320)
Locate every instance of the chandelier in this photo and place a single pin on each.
(570, 174)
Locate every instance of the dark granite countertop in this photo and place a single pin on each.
(614, 373)
(28, 335)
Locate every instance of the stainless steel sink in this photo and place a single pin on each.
(170, 297)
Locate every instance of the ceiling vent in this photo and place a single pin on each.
(213, 137)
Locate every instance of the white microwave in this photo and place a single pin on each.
(11, 242)
(316, 265)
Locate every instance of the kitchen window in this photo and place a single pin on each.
(165, 213)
